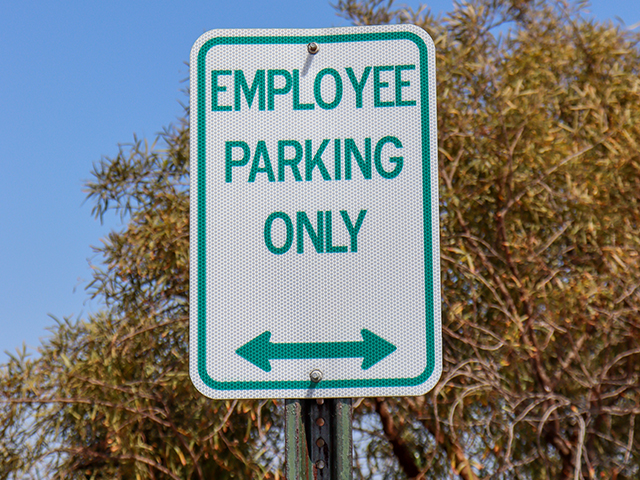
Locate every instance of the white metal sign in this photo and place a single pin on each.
(314, 213)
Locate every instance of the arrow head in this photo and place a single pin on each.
(375, 348)
(257, 351)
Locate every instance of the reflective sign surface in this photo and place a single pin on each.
(314, 213)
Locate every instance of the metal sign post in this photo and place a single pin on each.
(314, 223)
(318, 440)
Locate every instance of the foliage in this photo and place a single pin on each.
(110, 397)
(540, 209)
(539, 129)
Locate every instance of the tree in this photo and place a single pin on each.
(110, 397)
(538, 129)
(540, 208)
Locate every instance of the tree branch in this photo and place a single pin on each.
(400, 449)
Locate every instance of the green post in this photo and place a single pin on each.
(318, 441)
(297, 464)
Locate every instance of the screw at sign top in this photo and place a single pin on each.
(313, 48)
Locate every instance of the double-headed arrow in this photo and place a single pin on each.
(260, 350)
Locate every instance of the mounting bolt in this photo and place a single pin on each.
(313, 48)
(315, 375)
(320, 464)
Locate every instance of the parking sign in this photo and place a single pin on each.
(314, 213)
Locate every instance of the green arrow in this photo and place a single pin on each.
(260, 350)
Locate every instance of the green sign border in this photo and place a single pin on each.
(202, 235)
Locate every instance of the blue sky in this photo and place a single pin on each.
(78, 78)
